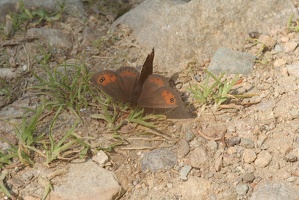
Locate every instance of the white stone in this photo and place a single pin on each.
(263, 159)
(101, 158)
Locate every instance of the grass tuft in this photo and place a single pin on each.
(213, 90)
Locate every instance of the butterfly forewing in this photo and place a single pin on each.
(147, 68)
(110, 83)
(128, 77)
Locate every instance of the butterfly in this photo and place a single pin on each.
(144, 89)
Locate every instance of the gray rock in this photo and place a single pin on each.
(230, 61)
(275, 191)
(233, 141)
(184, 172)
(248, 177)
(293, 70)
(183, 148)
(183, 31)
(158, 159)
(247, 143)
(189, 136)
(212, 145)
(242, 189)
(87, 181)
(72, 7)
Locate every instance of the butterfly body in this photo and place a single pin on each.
(144, 89)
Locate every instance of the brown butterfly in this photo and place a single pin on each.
(145, 89)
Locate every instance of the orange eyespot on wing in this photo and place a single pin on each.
(169, 98)
(164, 97)
(110, 83)
(104, 79)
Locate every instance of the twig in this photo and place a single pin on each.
(221, 138)
(154, 132)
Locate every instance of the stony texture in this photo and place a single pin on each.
(158, 159)
(153, 25)
(249, 155)
(231, 62)
(183, 148)
(242, 189)
(55, 38)
(184, 172)
(265, 123)
(263, 159)
(198, 158)
(293, 70)
(78, 184)
(191, 190)
(274, 191)
(101, 158)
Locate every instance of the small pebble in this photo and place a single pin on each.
(248, 178)
(290, 46)
(231, 150)
(263, 159)
(279, 62)
(101, 158)
(247, 143)
(189, 136)
(212, 145)
(278, 48)
(184, 172)
(291, 158)
(267, 40)
(233, 141)
(249, 155)
(242, 189)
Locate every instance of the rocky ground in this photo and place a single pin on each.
(248, 149)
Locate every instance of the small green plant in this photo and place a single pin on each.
(6, 93)
(292, 26)
(4, 174)
(24, 16)
(67, 86)
(213, 90)
(45, 57)
(68, 147)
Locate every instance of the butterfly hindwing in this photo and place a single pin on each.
(154, 82)
(163, 97)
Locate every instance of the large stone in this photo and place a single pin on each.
(184, 31)
(87, 181)
(230, 61)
